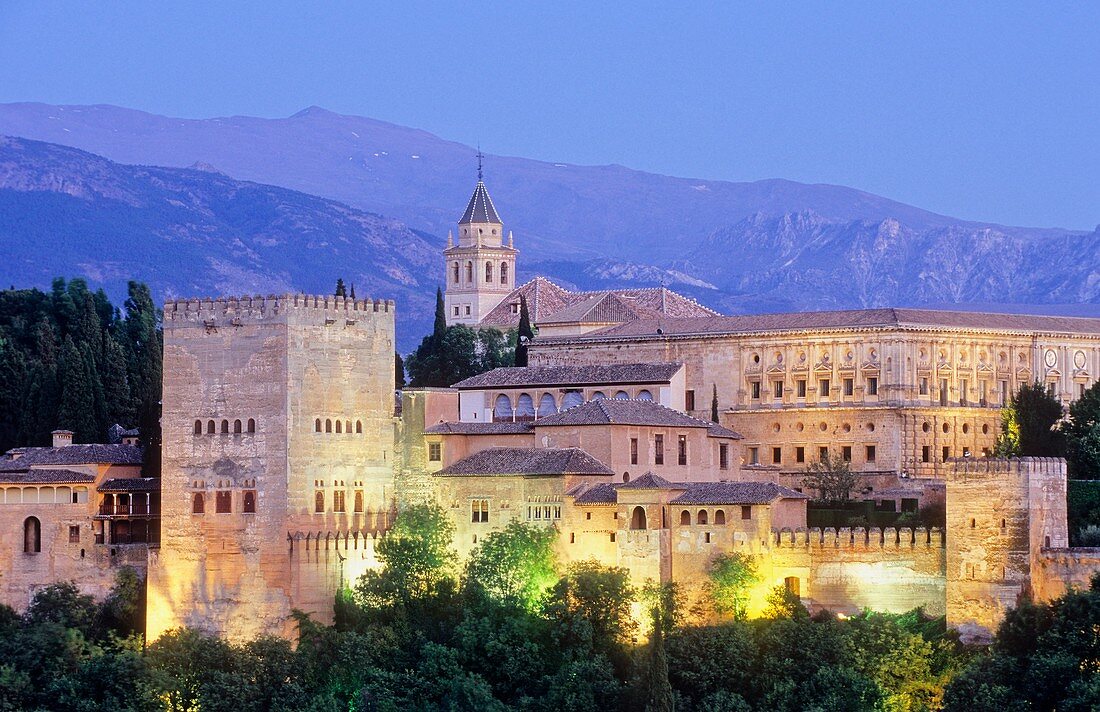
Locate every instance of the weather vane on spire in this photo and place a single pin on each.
(480, 156)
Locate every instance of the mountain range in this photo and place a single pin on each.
(252, 223)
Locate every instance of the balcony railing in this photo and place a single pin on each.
(137, 509)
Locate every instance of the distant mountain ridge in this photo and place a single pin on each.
(762, 246)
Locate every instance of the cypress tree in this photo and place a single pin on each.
(76, 410)
(714, 404)
(440, 326)
(341, 291)
(659, 697)
(353, 290)
(116, 386)
(143, 342)
(525, 334)
(398, 371)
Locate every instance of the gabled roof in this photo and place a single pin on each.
(846, 319)
(735, 493)
(480, 208)
(612, 411)
(46, 476)
(131, 484)
(602, 493)
(650, 481)
(565, 376)
(25, 458)
(543, 299)
(527, 461)
(481, 428)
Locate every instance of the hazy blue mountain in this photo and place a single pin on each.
(759, 246)
(190, 232)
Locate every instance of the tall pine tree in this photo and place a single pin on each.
(143, 340)
(76, 411)
(525, 334)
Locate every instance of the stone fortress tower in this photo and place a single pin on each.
(480, 270)
(278, 458)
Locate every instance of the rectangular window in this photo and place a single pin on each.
(681, 450)
(872, 386)
(435, 452)
(983, 393)
(754, 388)
(777, 389)
(800, 387)
(456, 311)
(467, 310)
(870, 453)
(223, 502)
(849, 387)
(658, 449)
(943, 391)
(723, 457)
(777, 455)
(633, 451)
(823, 453)
(479, 510)
(746, 511)
(823, 387)
(946, 453)
(924, 386)
(846, 453)
(338, 501)
(689, 400)
(557, 512)
(926, 454)
(800, 454)
(1004, 392)
(964, 387)
(74, 534)
(754, 456)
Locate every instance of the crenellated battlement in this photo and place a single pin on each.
(859, 538)
(977, 467)
(349, 540)
(225, 310)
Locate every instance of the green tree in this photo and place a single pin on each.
(398, 371)
(1029, 424)
(1082, 433)
(144, 353)
(524, 334)
(515, 566)
(730, 579)
(341, 290)
(76, 410)
(832, 477)
(659, 697)
(714, 403)
(591, 609)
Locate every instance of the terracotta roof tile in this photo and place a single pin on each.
(481, 428)
(602, 493)
(46, 476)
(650, 481)
(564, 376)
(527, 461)
(612, 411)
(735, 493)
(131, 484)
(71, 455)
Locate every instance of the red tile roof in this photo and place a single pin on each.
(527, 461)
(564, 376)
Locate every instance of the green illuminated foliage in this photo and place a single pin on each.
(730, 578)
(515, 566)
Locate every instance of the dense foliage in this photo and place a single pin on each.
(452, 353)
(1082, 433)
(1029, 424)
(70, 359)
(510, 630)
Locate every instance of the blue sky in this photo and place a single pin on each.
(983, 111)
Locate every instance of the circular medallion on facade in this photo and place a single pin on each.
(1079, 359)
(1051, 358)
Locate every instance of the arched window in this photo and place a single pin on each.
(251, 425)
(720, 517)
(701, 518)
(637, 519)
(792, 584)
(469, 271)
(572, 399)
(339, 427)
(319, 501)
(359, 427)
(317, 425)
(198, 427)
(626, 477)
(32, 535)
(210, 427)
(645, 395)
(328, 425)
(198, 504)
(622, 395)
(347, 427)
(502, 411)
(237, 427)
(504, 273)
(547, 406)
(488, 271)
(598, 395)
(358, 500)
(525, 408)
(685, 518)
(249, 502)
(225, 427)
(454, 272)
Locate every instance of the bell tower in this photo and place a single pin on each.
(480, 269)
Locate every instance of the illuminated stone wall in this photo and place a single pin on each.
(311, 381)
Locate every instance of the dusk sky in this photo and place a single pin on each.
(982, 111)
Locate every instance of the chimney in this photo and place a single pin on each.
(62, 438)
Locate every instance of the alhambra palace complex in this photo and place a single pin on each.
(284, 459)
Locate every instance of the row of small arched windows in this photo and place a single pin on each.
(341, 426)
(488, 272)
(638, 517)
(238, 426)
(525, 405)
